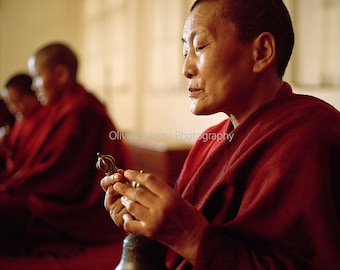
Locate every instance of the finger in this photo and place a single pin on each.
(113, 205)
(111, 197)
(139, 211)
(152, 183)
(118, 217)
(139, 195)
(131, 225)
(108, 181)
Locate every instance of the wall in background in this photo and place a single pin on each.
(26, 25)
(134, 60)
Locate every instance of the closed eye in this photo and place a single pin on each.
(199, 48)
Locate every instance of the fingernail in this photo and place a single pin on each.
(123, 199)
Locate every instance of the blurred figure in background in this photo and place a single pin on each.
(6, 117)
(6, 123)
(54, 199)
(23, 104)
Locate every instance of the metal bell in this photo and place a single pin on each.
(141, 253)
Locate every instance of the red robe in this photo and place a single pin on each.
(6, 121)
(57, 187)
(271, 193)
(22, 135)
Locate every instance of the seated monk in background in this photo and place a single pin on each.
(29, 114)
(6, 122)
(6, 117)
(55, 197)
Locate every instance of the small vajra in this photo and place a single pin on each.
(106, 163)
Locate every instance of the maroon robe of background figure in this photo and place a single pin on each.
(271, 193)
(23, 133)
(57, 188)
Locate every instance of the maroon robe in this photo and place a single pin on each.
(57, 186)
(6, 121)
(271, 193)
(22, 135)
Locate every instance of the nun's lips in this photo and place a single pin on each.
(194, 92)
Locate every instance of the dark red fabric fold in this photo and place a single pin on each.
(271, 193)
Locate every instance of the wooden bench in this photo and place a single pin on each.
(163, 158)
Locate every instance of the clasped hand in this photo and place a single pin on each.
(157, 212)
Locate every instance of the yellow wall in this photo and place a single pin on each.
(27, 24)
(130, 56)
